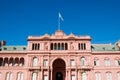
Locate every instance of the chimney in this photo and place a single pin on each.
(2, 43)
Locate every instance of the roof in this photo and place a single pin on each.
(104, 47)
(59, 34)
(13, 48)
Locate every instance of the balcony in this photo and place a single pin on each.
(34, 67)
(85, 67)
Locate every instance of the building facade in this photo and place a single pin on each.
(60, 57)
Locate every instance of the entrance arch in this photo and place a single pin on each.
(59, 71)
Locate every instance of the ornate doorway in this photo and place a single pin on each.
(59, 76)
(59, 70)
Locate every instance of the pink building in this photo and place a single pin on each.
(60, 57)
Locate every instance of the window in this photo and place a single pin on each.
(79, 46)
(20, 76)
(21, 62)
(62, 46)
(14, 48)
(45, 63)
(16, 61)
(82, 46)
(97, 76)
(96, 62)
(117, 62)
(5, 48)
(107, 62)
(55, 46)
(24, 48)
(0, 76)
(108, 76)
(11, 62)
(84, 77)
(1, 61)
(35, 61)
(9, 76)
(118, 76)
(5, 63)
(38, 46)
(59, 46)
(66, 46)
(72, 77)
(35, 46)
(51, 46)
(45, 77)
(72, 63)
(82, 61)
(34, 76)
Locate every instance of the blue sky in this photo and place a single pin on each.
(98, 18)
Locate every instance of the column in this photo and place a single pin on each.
(41, 75)
(29, 74)
(38, 77)
(69, 75)
(66, 75)
(48, 73)
(76, 74)
(88, 75)
(51, 73)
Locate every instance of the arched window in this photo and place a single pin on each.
(97, 76)
(83, 62)
(72, 63)
(117, 62)
(11, 62)
(0, 76)
(34, 76)
(84, 46)
(107, 62)
(35, 61)
(38, 46)
(79, 47)
(33, 46)
(84, 76)
(118, 76)
(20, 76)
(66, 46)
(51, 46)
(1, 61)
(55, 46)
(108, 76)
(45, 62)
(45, 77)
(59, 47)
(16, 61)
(21, 62)
(9, 76)
(72, 77)
(62, 46)
(96, 62)
(5, 62)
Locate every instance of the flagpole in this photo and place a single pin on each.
(58, 22)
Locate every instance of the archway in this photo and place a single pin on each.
(59, 70)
